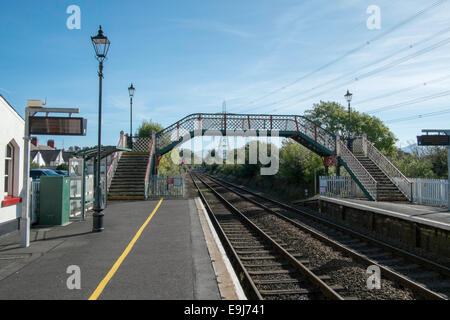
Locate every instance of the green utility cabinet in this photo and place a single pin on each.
(54, 200)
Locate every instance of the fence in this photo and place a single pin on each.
(169, 187)
(430, 191)
(342, 187)
(424, 191)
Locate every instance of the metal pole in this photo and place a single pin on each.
(131, 121)
(448, 164)
(83, 192)
(349, 134)
(25, 220)
(98, 207)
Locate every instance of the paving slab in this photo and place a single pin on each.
(168, 261)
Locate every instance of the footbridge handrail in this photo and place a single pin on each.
(115, 160)
(287, 125)
(393, 173)
(368, 183)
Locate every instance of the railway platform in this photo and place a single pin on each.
(437, 217)
(149, 250)
(403, 224)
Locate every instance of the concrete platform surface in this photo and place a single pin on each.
(169, 260)
(433, 216)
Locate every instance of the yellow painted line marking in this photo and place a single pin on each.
(119, 261)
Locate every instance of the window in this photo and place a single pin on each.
(9, 170)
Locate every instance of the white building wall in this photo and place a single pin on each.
(11, 129)
(39, 160)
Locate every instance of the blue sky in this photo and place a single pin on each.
(190, 56)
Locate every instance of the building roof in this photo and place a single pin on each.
(33, 153)
(91, 153)
(49, 155)
(67, 155)
(41, 147)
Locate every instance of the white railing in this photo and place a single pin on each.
(358, 170)
(430, 191)
(391, 171)
(339, 186)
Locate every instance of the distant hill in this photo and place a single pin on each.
(409, 148)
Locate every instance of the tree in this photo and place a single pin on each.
(147, 127)
(334, 117)
(34, 165)
(423, 162)
(298, 164)
(62, 167)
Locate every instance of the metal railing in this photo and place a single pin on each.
(115, 160)
(168, 187)
(358, 170)
(339, 186)
(430, 191)
(391, 171)
(219, 123)
(150, 165)
(142, 144)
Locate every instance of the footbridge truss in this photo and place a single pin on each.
(377, 177)
(295, 127)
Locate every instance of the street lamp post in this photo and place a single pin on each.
(101, 46)
(348, 96)
(131, 91)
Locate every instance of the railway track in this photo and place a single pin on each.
(267, 267)
(420, 278)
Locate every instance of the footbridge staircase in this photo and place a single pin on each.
(377, 177)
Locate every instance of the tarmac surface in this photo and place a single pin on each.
(169, 260)
(437, 217)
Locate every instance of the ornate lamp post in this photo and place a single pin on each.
(101, 46)
(131, 91)
(348, 96)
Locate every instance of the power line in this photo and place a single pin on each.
(420, 116)
(441, 32)
(376, 71)
(410, 102)
(384, 95)
(354, 50)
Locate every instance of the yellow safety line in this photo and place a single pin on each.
(119, 261)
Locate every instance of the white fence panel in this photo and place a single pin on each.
(341, 187)
(430, 191)
(425, 191)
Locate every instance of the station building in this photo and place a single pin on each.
(12, 127)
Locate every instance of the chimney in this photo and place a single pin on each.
(51, 143)
(34, 140)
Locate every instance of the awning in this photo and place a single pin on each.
(91, 153)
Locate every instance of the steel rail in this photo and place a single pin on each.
(248, 285)
(315, 280)
(391, 274)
